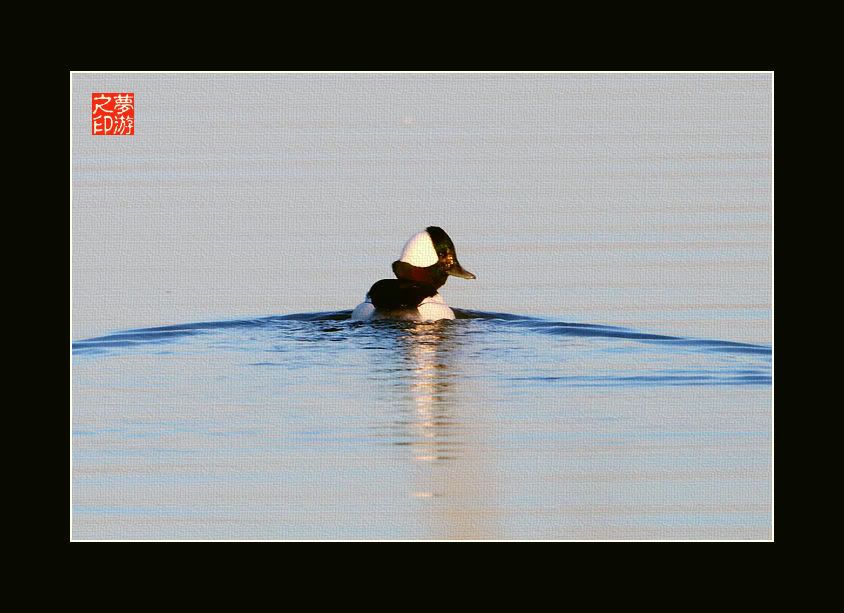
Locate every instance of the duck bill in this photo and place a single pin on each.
(458, 271)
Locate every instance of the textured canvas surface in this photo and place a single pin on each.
(636, 205)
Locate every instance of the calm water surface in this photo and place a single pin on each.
(488, 426)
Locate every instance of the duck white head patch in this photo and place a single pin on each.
(419, 251)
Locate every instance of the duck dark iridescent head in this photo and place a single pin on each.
(430, 257)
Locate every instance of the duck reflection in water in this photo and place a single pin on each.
(450, 471)
(428, 352)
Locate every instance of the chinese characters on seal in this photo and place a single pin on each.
(112, 114)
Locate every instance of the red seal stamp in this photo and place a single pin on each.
(112, 114)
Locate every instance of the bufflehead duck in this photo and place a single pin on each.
(426, 261)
